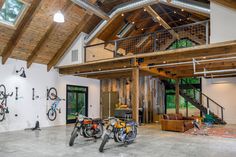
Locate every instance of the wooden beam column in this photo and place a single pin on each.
(135, 94)
(177, 95)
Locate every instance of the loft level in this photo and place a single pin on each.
(175, 63)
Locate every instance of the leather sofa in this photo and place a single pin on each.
(176, 122)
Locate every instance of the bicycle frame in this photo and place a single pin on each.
(55, 104)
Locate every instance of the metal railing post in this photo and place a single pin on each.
(222, 114)
(85, 51)
(208, 106)
(155, 42)
(207, 32)
(116, 48)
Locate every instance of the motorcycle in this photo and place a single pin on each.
(121, 131)
(87, 127)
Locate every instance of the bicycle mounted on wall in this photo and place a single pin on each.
(3, 106)
(52, 95)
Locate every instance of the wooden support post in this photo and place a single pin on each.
(177, 95)
(135, 94)
(186, 102)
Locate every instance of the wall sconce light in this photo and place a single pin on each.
(23, 72)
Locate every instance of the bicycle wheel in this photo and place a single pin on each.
(52, 93)
(2, 113)
(2, 91)
(52, 114)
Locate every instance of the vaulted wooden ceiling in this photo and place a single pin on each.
(37, 39)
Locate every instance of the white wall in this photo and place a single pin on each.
(78, 44)
(38, 78)
(223, 23)
(222, 90)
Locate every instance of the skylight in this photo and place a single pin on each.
(11, 11)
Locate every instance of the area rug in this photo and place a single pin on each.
(216, 130)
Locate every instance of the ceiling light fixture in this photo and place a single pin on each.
(58, 16)
(122, 14)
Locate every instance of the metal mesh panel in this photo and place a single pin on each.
(197, 33)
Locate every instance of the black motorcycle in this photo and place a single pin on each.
(121, 131)
(87, 127)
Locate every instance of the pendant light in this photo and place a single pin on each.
(59, 17)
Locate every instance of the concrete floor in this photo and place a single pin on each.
(151, 142)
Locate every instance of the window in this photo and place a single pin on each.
(182, 43)
(186, 108)
(11, 11)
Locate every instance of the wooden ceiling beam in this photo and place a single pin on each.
(124, 74)
(95, 67)
(155, 72)
(23, 25)
(52, 27)
(227, 3)
(169, 17)
(69, 41)
(155, 15)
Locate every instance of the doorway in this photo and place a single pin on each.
(77, 102)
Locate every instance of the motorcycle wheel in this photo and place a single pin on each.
(104, 141)
(73, 136)
(52, 114)
(2, 113)
(99, 135)
(134, 135)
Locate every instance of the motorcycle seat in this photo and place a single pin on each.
(97, 119)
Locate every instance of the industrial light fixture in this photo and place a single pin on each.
(23, 72)
(58, 16)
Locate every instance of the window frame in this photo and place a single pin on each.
(19, 18)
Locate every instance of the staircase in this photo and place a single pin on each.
(200, 100)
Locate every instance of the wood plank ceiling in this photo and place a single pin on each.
(38, 39)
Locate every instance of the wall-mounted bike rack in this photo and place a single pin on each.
(33, 94)
(16, 93)
(33, 90)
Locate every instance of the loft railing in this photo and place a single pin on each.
(197, 33)
(202, 99)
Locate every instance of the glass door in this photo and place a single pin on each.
(77, 102)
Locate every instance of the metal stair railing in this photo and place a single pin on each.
(202, 99)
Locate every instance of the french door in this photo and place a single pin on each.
(77, 102)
